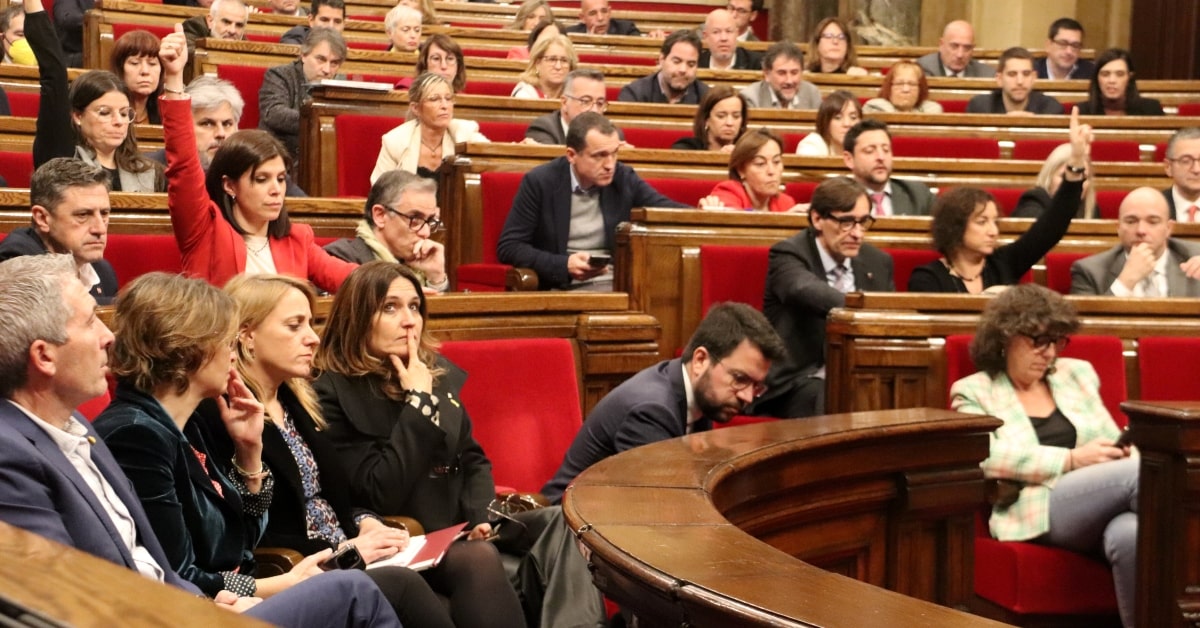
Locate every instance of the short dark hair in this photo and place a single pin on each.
(782, 48)
(334, 4)
(715, 95)
(244, 152)
(725, 327)
(583, 124)
(52, 179)
(683, 35)
(1065, 23)
(1025, 308)
(447, 43)
(951, 212)
(1016, 52)
(836, 194)
(542, 25)
(831, 107)
(864, 125)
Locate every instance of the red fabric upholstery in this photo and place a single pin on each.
(262, 38)
(493, 53)
(1162, 374)
(17, 168)
(490, 88)
(525, 441)
(652, 138)
(24, 104)
(133, 255)
(1058, 270)
(503, 131)
(1026, 578)
(800, 191)
(611, 92)
(358, 143)
(949, 147)
(1111, 150)
(732, 273)
(498, 189)
(1034, 150)
(120, 28)
(368, 45)
(248, 80)
(1189, 109)
(953, 106)
(1006, 198)
(1108, 203)
(790, 141)
(594, 58)
(1160, 150)
(905, 260)
(93, 407)
(744, 420)
(688, 191)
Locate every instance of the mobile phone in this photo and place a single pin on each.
(345, 558)
(1124, 439)
(599, 261)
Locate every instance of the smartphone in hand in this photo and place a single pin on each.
(1124, 439)
(345, 558)
(599, 261)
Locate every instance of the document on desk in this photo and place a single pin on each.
(425, 551)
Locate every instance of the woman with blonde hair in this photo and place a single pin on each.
(549, 63)
(1038, 199)
(529, 14)
(422, 143)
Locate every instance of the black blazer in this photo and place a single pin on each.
(647, 89)
(391, 451)
(1084, 69)
(25, 241)
(742, 59)
(1036, 201)
(1137, 107)
(690, 142)
(615, 27)
(993, 102)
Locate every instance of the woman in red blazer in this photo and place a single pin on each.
(235, 220)
(755, 175)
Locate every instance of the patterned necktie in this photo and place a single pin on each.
(1150, 285)
(877, 203)
(841, 279)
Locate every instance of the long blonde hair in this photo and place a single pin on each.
(256, 297)
(531, 76)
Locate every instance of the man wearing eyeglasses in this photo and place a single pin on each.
(399, 219)
(723, 369)
(1015, 94)
(583, 91)
(721, 45)
(954, 54)
(69, 214)
(1148, 262)
(1062, 53)
(745, 12)
(1183, 166)
(595, 18)
(808, 275)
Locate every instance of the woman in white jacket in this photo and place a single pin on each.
(422, 143)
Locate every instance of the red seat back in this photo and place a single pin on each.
(800, 191)
(503, 131)
(135, 254)
(1006, 198)
(953, 106)
(951, 147)
(120, 28)
(359, 138)
(1108, 203)
(498, 190)
(1058, 270)
(525, 441)
(248, 80)
(1189, 109)
(489, 88)
(1162, 374)
(92, 408)
(1114, 150)
(652, 138)
(688, 191)
(1034, 150)
(595, 58)
(17, 168)
(24, 104)
(905, 260)
(732, 273)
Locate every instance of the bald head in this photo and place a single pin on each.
(1144, 218)
(720, 36)
(957, 45)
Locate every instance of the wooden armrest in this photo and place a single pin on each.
(520, 280)
(414, 528)
(275, 561)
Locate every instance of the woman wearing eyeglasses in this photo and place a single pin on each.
(965, 232)
(1061, 478)
(549, 62)
(421, 144)
(904, 89)
(831, 50)
(92, 121)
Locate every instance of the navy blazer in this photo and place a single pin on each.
(646, 408)
(1083, 69)
(742, 59)
(203, 532)
(647, 89)
(40, 491)
(538, 226)
(993, 102)
(25, 241)
(615, 27)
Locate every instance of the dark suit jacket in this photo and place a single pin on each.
(203, 532)
(910, 198)
(547, 129)
(390, 451)
(538, 225)
(932, 64)
(25, 241)
(1084, 69)
(1095, 274)
(615, 27)
(646, 408)
(1167, 193)
(40, 491)
(1036, 201)
(647, 89)
(282, 93)
(195, 27)
(295, 35)
(742, 59)
(993, 102)
(1139, 107)
(798, 297)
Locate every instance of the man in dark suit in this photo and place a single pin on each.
(226, 19)
(1015, 94)
(1062, 61)
(954, 54)
(808, 275)
(721, 45)
(868, 155)
(58, 480)
(723, 369)
(568, 210)
(595, 18)
(69, 214)
(1182, 164)
(675, 81)
(1148, 262)
(583, 90)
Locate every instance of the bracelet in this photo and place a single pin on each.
(178, 92)
(262, 470)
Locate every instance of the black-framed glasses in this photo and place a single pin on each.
(587, 102)
(416, 221)
(1073, 45)
(1187, 161)
(847, 223)
(1042, 341)
(739, 381)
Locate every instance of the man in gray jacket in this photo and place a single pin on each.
(783, 85)
(953, 56)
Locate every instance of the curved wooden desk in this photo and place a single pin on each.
(761, 525)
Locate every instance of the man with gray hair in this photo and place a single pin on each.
(226, 19)
(583, 90)
(285, 87)
(1182, 164)
(399, 219)
(69, 214)
(783, 85)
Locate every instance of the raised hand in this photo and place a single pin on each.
(1081, 140)
(173, 54)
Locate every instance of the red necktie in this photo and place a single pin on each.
(877, 203)
(1192, 213)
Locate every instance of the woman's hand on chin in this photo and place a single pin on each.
(413, 373)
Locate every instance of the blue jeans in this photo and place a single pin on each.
(1094, 510)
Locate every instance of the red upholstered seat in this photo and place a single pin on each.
(611, 92)
(800, 191)
(24, 104)
(489, 88)
(120, 28)
(358, 143)
(17, 168)
(1102, 150)
(263, 38)
(652, 138)
(594, 58)
(946, 147)
(1027, 580)
(1034, 150)
(1058, 270)
(493, 53)
(498, 189)
(248, 80)
(688, 191)
(905, 260)
(503, 131)
(742, 419)
(1160, 150)
(1108, 203)
(91, 408)
(133, 255)
(1006, 198)
(525, 441)
(732, 273)
(953, 106)
(1162, 374)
